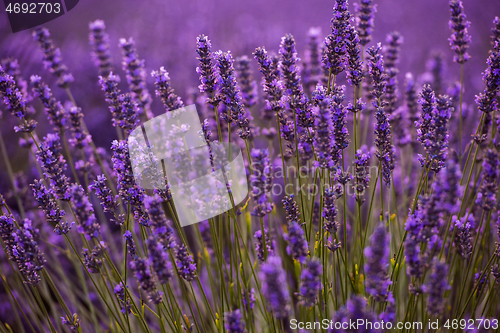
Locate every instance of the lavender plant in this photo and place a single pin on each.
(410, 236)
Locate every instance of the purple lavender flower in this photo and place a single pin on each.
(339, 115)
(53, 165)
(159, 260)
(310, 282)
(437, 139)
(377, 262)
(489, 187)
(99, 40)
(335, 50)
(80, 138)
(248, 86)
(298, 103)
(91, 260)
(206, 68)
(161, 226)
(109, 85)
(136, 75)
(261, 182)
(323, 127)
(185, 263)
(274, 287)
(291, 208)
(436, 287)
(248, 299)
(231, 94)
(11, 67)
(131, 248)
(129, 112)
(73, 322)
(15, 102)
(84, 212)
(356, 309)
(385, 150)
(411, 97)
(146, 279)
(311, 71)
(463, 236)
(330, 210)
(22, 248)
(273, 87)
(486, 101)
(364, 18)
(495, 34)
(354, 63)
(412, 244)
(389, 315)
(427, 101)
(259, 245)
(53, 108)
(447, 187)
(361, 172)
(234, 322)
(109, 202)
(165, 91)
(119, 291)
(52, 57)
(127, 188)
(377, 73)
(297, 244)
(394, 40)
(53, 214)
(460, 39)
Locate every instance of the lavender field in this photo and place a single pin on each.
(370, 136)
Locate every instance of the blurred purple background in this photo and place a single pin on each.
(165, 33)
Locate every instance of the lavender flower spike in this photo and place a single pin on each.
(330, 211)
(136, 75)
(80, 138)
(436, 287)
(489, 187)
(437, 142)
(335, 47)
(463, 237)
(364, 20)
(206, 68)
(247, 85)
(297, 243)
(323, 124)
(361, 172)
(310, 282)
(52, 57)
(231, 94)
(22, 248)
(165, 91)
(159, 260)
(146, 279)
(109, 202)
(109, 85)
(460, 39)
(259, 245)
(185, 263)
(15, 102)
(84, 212)
(261, 182)
(234, 322)
(274, 286)
(377, 262)
(53, 108)
(53, 165)
(53, 214)
(354, 63)
(99, 39)
(119, 291)
(159, 223)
